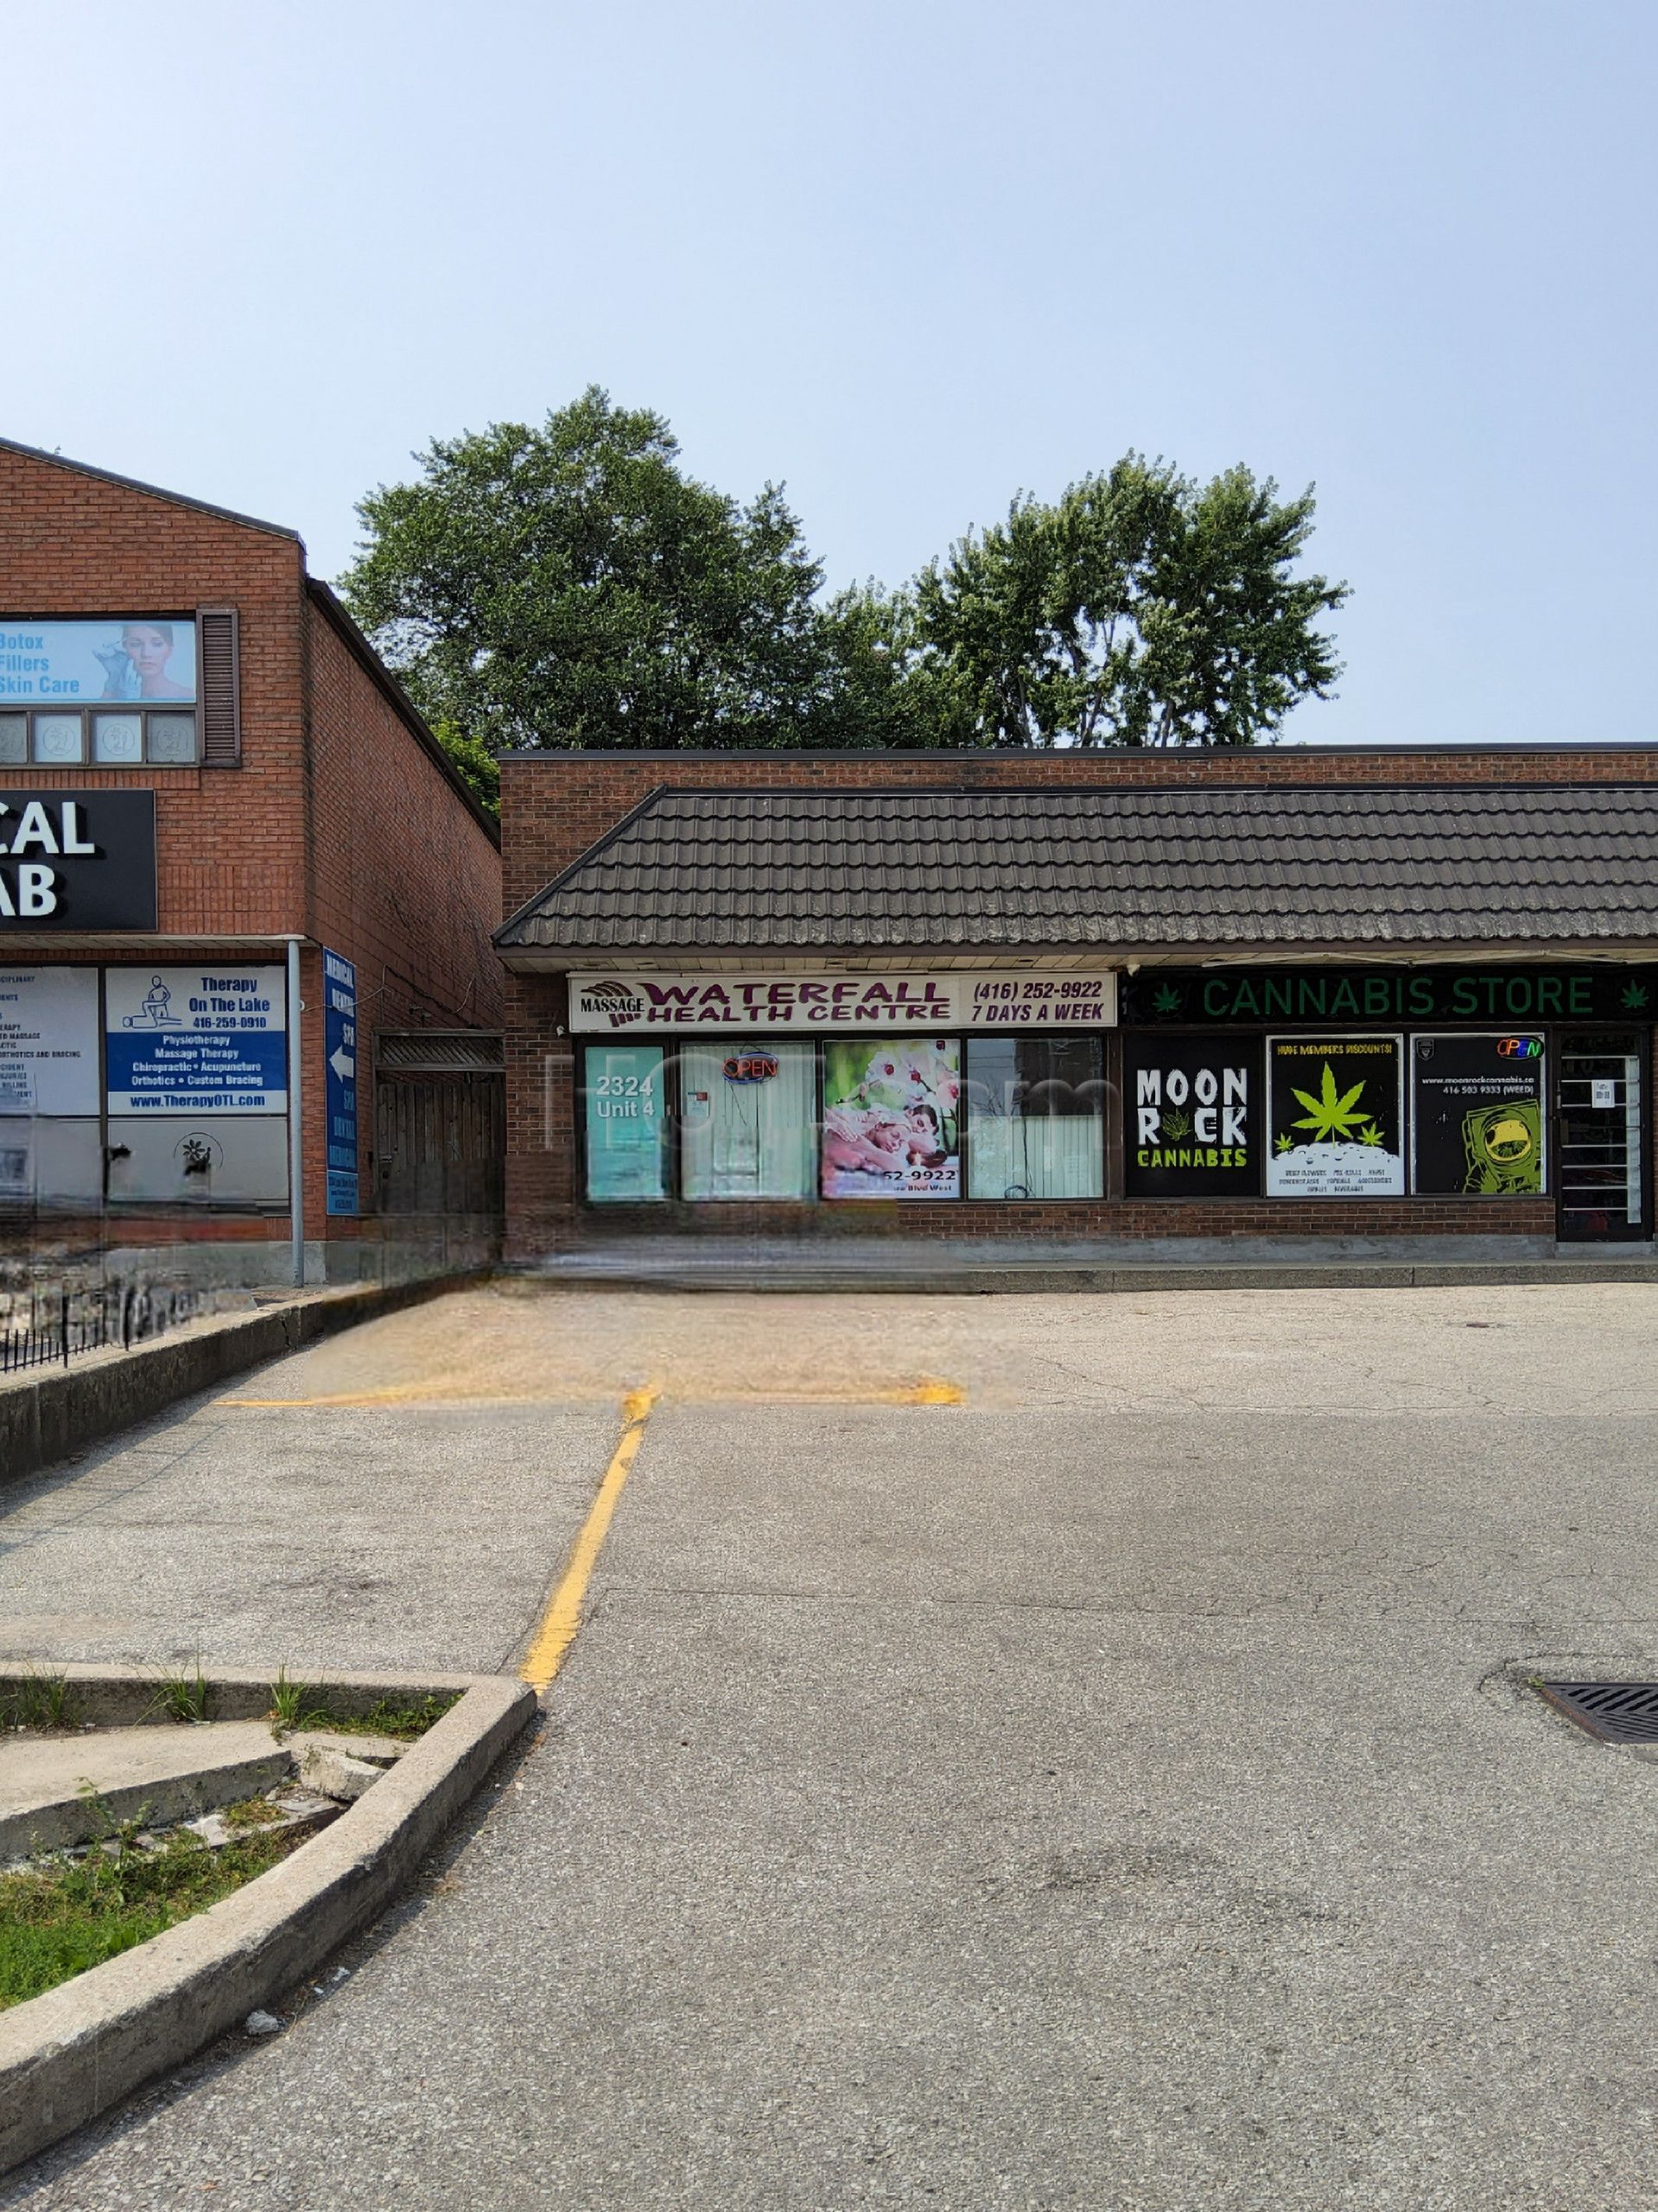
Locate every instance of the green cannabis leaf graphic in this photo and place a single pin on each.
(1167, 998)
(1635, 996)
(1176, 1126)
(1284, 1142)
(1329, 1116)
(1369, 1134)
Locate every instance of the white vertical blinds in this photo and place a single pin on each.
(743, 1137)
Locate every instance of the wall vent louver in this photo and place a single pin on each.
(221, 708)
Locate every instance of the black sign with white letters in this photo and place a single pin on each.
(77, 861)
(1191, 1116)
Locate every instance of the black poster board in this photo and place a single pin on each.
(1192, 1117)
(77, 861)
(1476, 1121)
(1338, 1117)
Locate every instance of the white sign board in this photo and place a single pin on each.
(911, 1001)
(49, 1040)
(196, 1040)
(137, 658)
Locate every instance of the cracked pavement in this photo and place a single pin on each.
(1121, 1789)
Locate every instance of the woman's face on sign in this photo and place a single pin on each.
(146, 648)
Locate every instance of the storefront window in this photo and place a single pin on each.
(1035, 1117)
(1191, 1114)
(891, 1126)
(748, 1120)
(1337, 1117)
(1477, 1116)
(626, 1125)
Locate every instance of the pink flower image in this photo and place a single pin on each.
(890, 1116)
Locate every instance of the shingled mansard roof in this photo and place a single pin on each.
(777, 871)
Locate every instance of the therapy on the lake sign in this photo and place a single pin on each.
(1544, 991)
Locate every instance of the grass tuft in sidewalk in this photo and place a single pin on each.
(40, 1702)
(290, 1712)
(63, 1914)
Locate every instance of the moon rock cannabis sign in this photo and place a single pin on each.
(1193, 1106)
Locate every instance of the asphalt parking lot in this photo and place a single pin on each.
(1036, 1751)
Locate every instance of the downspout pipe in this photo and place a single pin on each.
(296, 1117)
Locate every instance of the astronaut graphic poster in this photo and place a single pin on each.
(1477, 1114)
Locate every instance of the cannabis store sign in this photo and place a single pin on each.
(1178, 997)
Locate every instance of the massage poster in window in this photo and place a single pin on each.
(891, 1118)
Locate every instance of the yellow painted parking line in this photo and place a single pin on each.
(929, 1391)
(563, 1616)
(936, 1392)
(430, 1394)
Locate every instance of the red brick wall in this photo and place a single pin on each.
(230, 842)
(555, 806)
(404, 883)
(338, 825)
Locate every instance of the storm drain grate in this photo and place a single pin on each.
(1618, 1713)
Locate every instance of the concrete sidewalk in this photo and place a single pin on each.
(950, 1266)
(48, 1412)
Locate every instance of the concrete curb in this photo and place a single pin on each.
(162, 1801)
(44, 1418)
(1039, 1277)
(67, 2056)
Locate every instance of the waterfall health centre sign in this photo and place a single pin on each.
(768, 1004)
(196, 1040)
(1337, 1117)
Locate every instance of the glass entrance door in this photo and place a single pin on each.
(1600, 1156)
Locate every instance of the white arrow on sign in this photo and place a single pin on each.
(341, 1062)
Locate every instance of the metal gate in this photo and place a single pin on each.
(440, 1123)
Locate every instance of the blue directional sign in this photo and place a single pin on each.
(340, 1051)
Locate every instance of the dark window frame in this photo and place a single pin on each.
(671, 1044)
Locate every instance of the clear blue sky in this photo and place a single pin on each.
(906, 255)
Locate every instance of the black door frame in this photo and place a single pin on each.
(1566, 1040)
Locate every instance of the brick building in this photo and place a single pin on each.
(213, 792)
(1282, 995)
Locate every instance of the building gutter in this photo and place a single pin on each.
(295, 1115)
(1076, 953)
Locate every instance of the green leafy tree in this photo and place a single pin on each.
(572, 586)
(473, 761)
(1140, 608)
